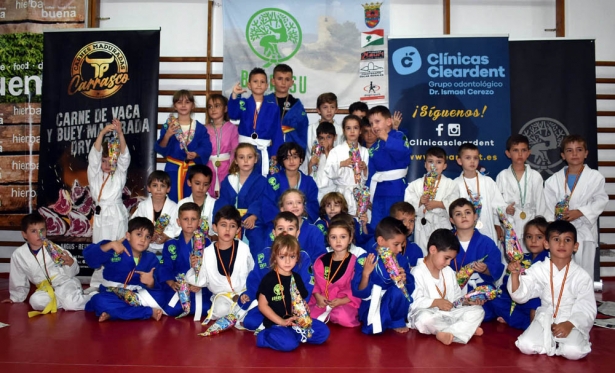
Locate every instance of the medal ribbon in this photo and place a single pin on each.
(561, 291)
(438, 289)
(329, 277)
(228, 278)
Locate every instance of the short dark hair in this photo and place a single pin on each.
(288, 216)
(466, 146)
(139, 223)
(228, 212)
(200, 169)
(326, 98)
(560, 227)
(257, 71)
(189, 206)
(365, 122)
(403, 207)
(326, 128)
(286, 148)
(358, 106)
(460, 202)
(436, 151)
(517, 139)
(443, 239)
(380, 109)
(572, 138)
(390, 227)
(282, 68)
(31, 219)
(161, 176)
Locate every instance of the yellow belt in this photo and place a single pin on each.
(52, 306)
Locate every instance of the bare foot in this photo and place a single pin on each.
(401, 330)
(156, 314)
(446, 338)
(501, 320)
(478, 332)
(104, 317)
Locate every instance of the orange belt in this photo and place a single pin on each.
(182, 172)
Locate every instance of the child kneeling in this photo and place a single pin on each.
(436, 291)
(281, 297)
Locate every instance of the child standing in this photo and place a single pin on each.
(481, 190)
(579, 192)
(332, 297)
(183, 142)
(245, 188)
(129, 290)
(292, 114)
(285, 223)
(259, 118)
(159, 205)
(359, 109)
(56, 285)
(281, 299)
(388, 164)
(474, 247)
(224, 139)
(520, 316)
(340, 167)
(290, 157)
(326, 138)
(199, 180)
(521, 187)
(568, 306)
(226, 264)
(432, 193)
(326, 107)
(176, 260)
(385, 298)
(432, 311)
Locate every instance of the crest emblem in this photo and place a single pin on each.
(545, 135)
(273, 35)
(372, 14)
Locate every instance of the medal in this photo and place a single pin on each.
(217, 164)
(423, 221)
(522, 215)
(479, 225)
(254, 135)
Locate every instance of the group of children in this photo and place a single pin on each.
(257, 229)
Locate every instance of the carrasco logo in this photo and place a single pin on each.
(99, 70)
(406, 60)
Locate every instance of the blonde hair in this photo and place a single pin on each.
(288, 192)
(234, 169)
(281, 243)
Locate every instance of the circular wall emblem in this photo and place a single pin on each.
(98, 70)
(273, 35)
(545, 135)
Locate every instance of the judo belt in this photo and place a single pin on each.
(183, 171)
(325, 316)
(373, 315)
(52, 306)
(381, 176)
(261, 144)
(227, 295)
(216, 159)
(241, 314)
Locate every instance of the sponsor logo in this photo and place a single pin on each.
(406, 60)
(99, 70)
(273, 35)
(454, 129)
(545, 135)
(370, 38)
(371, 69)
(372, 55)
(372, 92)
(372, 14)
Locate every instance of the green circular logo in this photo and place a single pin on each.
(273, 35)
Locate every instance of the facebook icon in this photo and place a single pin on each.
(439, 129)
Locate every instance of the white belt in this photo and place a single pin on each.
(385, 176)
(111, 284)
(261, 144)
(373, 314)
(220, 157)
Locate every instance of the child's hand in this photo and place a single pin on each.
(562, 330)
(346, 163)
(173, 284)
(478, 302)
(396, 120)
(194, 289)
(337, 302)
(402, 274)
(244, 298)
(117, 125)
(514, 268)
(147, 278)
(481, 268)
(499, 232)
(7, 300)
(442, 304)
(510, 209)
(191, 155)
(68, 260)
(194, 260)
(321, 302)
(424, 199)
(172, 130)
(572, 215)
(363, 218)
(314, 161)
(249, 222)
(108, 128)
(363, 168)
(237, 90)
(289, 321)
(116, 246)
(369, 265)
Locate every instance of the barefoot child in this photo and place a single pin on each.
(432, 310)
(129, 291)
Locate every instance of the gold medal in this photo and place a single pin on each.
(479, 224)
(522, 215)
(217, 164)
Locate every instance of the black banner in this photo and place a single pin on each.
(553, 94)
(90, 78)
